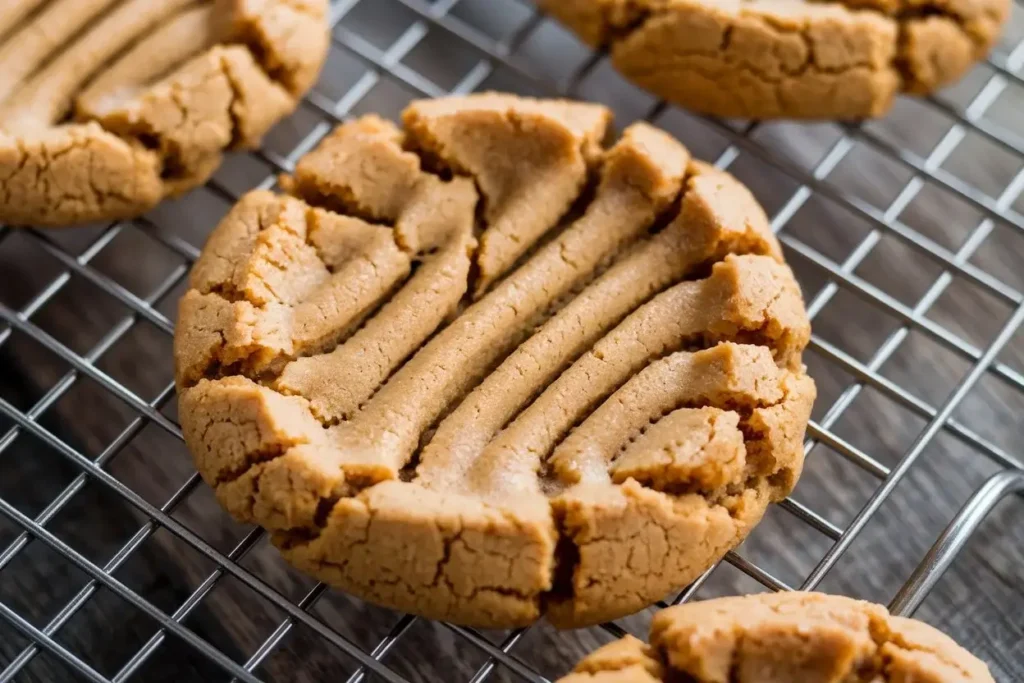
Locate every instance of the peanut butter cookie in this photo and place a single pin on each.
(787, 58)
(783, 638)
(484, 368)
(108, 106)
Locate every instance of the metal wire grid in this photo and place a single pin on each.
(492, 55)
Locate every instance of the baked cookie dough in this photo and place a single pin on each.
(108, 106)
(483, 368)
(783, 638)
(787, 58)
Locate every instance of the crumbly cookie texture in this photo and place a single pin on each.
(108, 106)
(484, 368)
(783, 638)
(787, 58)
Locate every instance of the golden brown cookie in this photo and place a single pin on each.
(108, 106)
(783, 638)
(787, 58)
(484, 368)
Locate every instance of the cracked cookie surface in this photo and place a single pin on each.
(109, 106)
(783, 638)
(483, 368)
(787, 58)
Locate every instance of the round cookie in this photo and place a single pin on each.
(787, 58)
(108, 106)
(783, 638)
(484, 368)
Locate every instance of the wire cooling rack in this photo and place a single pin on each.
(907, 236)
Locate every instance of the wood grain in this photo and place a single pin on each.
(979, 601)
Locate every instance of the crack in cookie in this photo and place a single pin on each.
(788, 59)
(108, 106)
(574, 421)
(805, 637)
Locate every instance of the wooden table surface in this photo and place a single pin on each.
(980, 600)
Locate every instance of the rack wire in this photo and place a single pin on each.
(388, 51)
